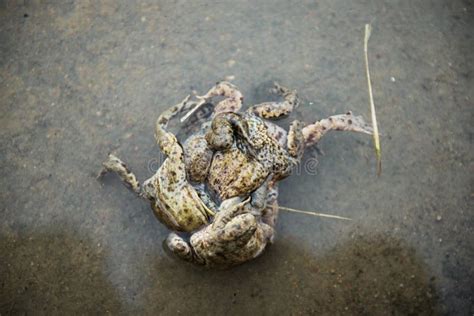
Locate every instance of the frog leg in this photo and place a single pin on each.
(238, 231)
(296, 142)
(181, 248)
(165, 139)
(244, 238)
(205, 197)
(235, 236)
(231, 103)
(276, 110)
(237, 222)
(114, 164)
(270, 213)
(278, 133)
(233, 97)
(342, 122)
(197, 157)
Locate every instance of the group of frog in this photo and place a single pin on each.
(217, 191)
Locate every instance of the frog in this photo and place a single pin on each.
(240, 231)
(175, 202)
(185, 207)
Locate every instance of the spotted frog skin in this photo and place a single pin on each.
(248, 147)
(235, 152)
(175, 202)
(240, 231)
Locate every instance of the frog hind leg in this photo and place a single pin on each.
(235, 224)
(165, 139)
(232, 97)
(181, 248)
(114, 164)
(238, 231)
(244, 238)
(270, 213)
(342, 122)
(277, 110)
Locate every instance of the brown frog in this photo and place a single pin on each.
(240, 231)
(175, 202)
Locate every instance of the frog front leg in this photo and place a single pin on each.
(165, 139)
(312, 133)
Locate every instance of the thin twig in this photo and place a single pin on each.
(378, 151)
(313, 213)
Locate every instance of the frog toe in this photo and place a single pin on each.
(178, 246)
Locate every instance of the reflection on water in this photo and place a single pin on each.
(365, 275)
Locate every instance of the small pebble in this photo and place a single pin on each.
(392, 79)
(438, 218)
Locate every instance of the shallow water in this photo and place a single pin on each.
(80, 79)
